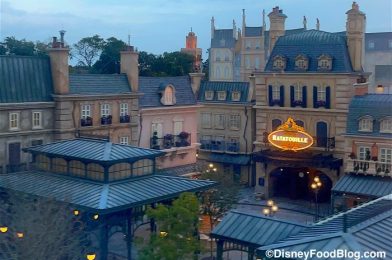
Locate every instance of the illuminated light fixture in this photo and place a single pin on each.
(211, 165)
(274, 208)
(215, 169)
(270, 203)
(314, 186)
(316, 179)
(96, 217)
(266, 211)
(163, 234)
(76, 212)
(281, 169)
(197, 155)
(19, 234)
(90, 256)
(307, 172)
(3, 229)
(318, 184)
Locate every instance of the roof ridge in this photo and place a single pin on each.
(368, 222)
(267, 218)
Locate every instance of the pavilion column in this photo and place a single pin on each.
(129, 234)
(219, 249)
(153, 226)
(103, 239)
(251, 254)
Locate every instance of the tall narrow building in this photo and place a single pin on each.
(191, 48)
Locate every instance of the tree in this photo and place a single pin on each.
(39, 229)
(146, 63)
(178, 225)
(19, 47)
(216, 202)
(88, 49)
(109, 60)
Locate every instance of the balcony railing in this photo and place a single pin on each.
(125, 119)
(170, 141)
(220, 145)
(369, 167)
(88, 121)
(106, 120)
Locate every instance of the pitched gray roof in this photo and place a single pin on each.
(98, 84)
(229, 87)
(223, 38)
(253, 31)
(380, 40)
(367, 185)
(100, 197)
(254, 230)
(25, 79)
(378, 106)
(94, 151)
(152, 88)
(312, 43)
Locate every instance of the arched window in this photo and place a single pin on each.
(276, 123)
(322, 134)
(169, 95)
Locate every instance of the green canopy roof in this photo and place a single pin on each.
(101, 197)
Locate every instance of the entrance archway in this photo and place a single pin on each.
(295, 183)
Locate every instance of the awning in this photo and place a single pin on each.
(254, 230)
(102, 197)
(230, 158)
(365, 185)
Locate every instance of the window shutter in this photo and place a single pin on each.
(315, 97)
(281, 96)
(270, 95)
(304, 97)
(292, 96)
(328, 97)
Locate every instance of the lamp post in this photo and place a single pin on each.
(271, 209)
(316, 185)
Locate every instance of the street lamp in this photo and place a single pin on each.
(90, 256)
(163, 234)
(316, 185)
(3, 229)
(76, 212)
(19, 234)
(271, 210)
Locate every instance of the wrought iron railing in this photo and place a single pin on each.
(220, 145)
(170, 141)
(369, 167)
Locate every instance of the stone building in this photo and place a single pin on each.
(103, 105)
(226, 126)
(26, 108)
(191, 48)
(310, 78)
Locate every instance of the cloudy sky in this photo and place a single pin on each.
(161, 25)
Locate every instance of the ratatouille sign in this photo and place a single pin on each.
(290, 136)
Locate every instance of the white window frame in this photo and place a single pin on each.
(157, 127)
(178, 126)
(36, 119)
(386, 125)
(206, 120)
(169, 95)
(275, 92)
(209, 95)
(221, 95)
(321, 93)
(371, 45)
(85, 111)
(105, 109)
(14, 118)
(219, 121)
(362, 152)
(385, 155)
(297, 93)
(124, 140)
(365, 124)
(234, 122)
(235, 96)
(124, 109)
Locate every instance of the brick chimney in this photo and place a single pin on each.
(58, 54)
(129, 64)
(361, 88)
(196, 81)
(277, 28)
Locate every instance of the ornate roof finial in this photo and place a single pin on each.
(305, 22)
(318, 24)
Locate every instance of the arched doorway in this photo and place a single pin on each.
(295, 183)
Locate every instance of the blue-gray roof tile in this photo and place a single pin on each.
(25, 79)
(229, 87)
(223, 38)
(152, 88)
(85, 84)
(253, 31)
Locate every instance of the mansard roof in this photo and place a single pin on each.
(312, 43)
(25, 79)
(229, 87)
(223, 38)
(253, 31)
(86, 84)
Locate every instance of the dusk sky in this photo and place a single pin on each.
(161, 25)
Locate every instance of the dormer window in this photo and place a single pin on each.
(168, 96)
(301, 62)
(221, 95)
(324, 62)
(236, 96)
(209, 95)
(279, 63)
(386, 125)
(365, 124)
